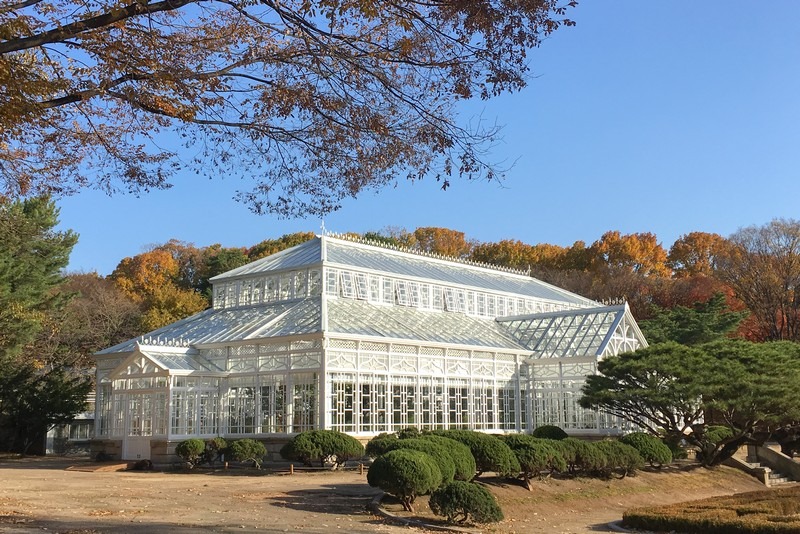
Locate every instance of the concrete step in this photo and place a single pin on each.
(775, 477)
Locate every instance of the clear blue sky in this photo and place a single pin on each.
(665, 117)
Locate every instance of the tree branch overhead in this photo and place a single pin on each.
(368, 91)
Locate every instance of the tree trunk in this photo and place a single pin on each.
(407, 504)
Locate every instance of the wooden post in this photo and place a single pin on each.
(361, 469)
(291, 469)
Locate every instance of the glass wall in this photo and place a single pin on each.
(384, 387)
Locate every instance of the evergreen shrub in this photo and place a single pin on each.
(490, 452)
(215, 449)
(465, 501)
(248, 450)
(380, 444)
(622, 459)
(191, 451)
(321, 446)
(651, 448)
(435, 450)
(405, 473)
(549, 432)
(461, 455)
(535, 456)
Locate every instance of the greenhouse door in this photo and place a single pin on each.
(138, 427)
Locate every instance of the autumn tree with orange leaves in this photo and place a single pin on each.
(312, 101)
(695, 254)
(151, 278)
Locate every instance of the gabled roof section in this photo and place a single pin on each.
(234, 324)
(405, 264)
(162, 361)
(597, 332)
(353, 317)
(302, 255)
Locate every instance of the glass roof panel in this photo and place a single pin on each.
(347, 316)
(302, 255)
(235, 324)
(562, 334)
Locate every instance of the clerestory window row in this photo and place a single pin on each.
(267, 289)
(380, 289)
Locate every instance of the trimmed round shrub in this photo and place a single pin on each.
(490, 452)
(436, 451)
(461, 455)
(621, 459)
(465, 501)
(215, 449)
(409, 432)
(405, 473)
(580, 455)
(380, 444)
(248, 450)
(191, 451)
(535, 456)
(549, 432)
(651, 448)
(322, 446)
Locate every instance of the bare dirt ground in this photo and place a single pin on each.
(65, 495)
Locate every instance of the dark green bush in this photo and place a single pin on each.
(215, 449)
(463, 501)
(191, 451)
(380, 444)
(535, 456)
(408, 432)
(651, 448)
(490, 452)
(580, 455)
(248, 450)
(405, 473)
(549, 432)
(622, 459)
(435, 450)
(322, 446)
(461, 455)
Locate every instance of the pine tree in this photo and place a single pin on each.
(33, 396)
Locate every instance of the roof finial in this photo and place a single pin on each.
(322, 226)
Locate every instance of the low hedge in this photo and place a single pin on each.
(774, 511)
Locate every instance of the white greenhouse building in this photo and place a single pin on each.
(349, 335)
